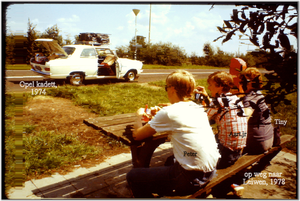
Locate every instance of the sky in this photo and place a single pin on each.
(188, 26)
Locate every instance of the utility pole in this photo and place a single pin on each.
(136, 12)
(149, 24)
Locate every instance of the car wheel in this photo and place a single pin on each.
(130, 76)
(76, 79)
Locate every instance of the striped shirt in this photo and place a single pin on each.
(232, 129)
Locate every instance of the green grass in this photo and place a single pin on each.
(107, 100)
(17, 67)
(152, 66)
(42, 150)
(47, 150)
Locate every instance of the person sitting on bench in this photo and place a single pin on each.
(260, 129)
(108, 62)
(194, 145)
(223, 110)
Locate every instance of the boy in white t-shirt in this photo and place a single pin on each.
(194, 145)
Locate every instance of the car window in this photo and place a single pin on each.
(88, 52)
(69, 50)
(103, 52)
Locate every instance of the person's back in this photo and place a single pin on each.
(227, 112)
(194, 145)
(189, 125)
(260, 128)
(232, 127)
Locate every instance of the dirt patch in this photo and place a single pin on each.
(62, 116)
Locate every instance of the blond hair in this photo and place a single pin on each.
(222, 79)
(183, 82)
(251, 73)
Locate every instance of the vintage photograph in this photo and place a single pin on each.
(159, 100)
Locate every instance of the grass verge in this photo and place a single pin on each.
(152, 66)
(17, 67)
(30, 152)
(46, 150)
(107, 100)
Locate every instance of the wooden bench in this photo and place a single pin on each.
(242, 163)
(120, 128)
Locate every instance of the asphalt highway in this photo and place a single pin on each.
(15, 79)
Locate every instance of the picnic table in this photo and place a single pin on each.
(120, 127)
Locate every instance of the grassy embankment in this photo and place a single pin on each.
(17, 67)
(45, 150)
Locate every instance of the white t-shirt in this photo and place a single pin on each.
(194, 144)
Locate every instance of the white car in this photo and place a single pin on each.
(77, 63)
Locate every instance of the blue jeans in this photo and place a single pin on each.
(166, 181)
(228, 157)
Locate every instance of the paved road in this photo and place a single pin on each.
(15, 77)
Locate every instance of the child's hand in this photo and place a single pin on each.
(154, 110)
(143, 115)
(140, 112)
(201, 90)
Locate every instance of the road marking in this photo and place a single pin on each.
(11, 77)
(37, 76)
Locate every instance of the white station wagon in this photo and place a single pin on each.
(77, 63)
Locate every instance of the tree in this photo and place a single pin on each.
(20, 48)
(216, 58)
(31, 45)
(251, 59)
(194, 58)
(140, 40)
(68, 41)
(159, 53)
(9, 51)
(222, 59)
(269, 27)
(168, 54)
(53, 32)
(209, 53)
(122, 51)
(77, 39)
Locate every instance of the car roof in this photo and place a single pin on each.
(76, 46)
(86, 46)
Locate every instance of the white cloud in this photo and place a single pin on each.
(177, 31)
(159, 14)
(62, 20)
(35, 21)
(190, 25)
(120, 28)
(12, 22)
(69, 26)
(74, 18)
